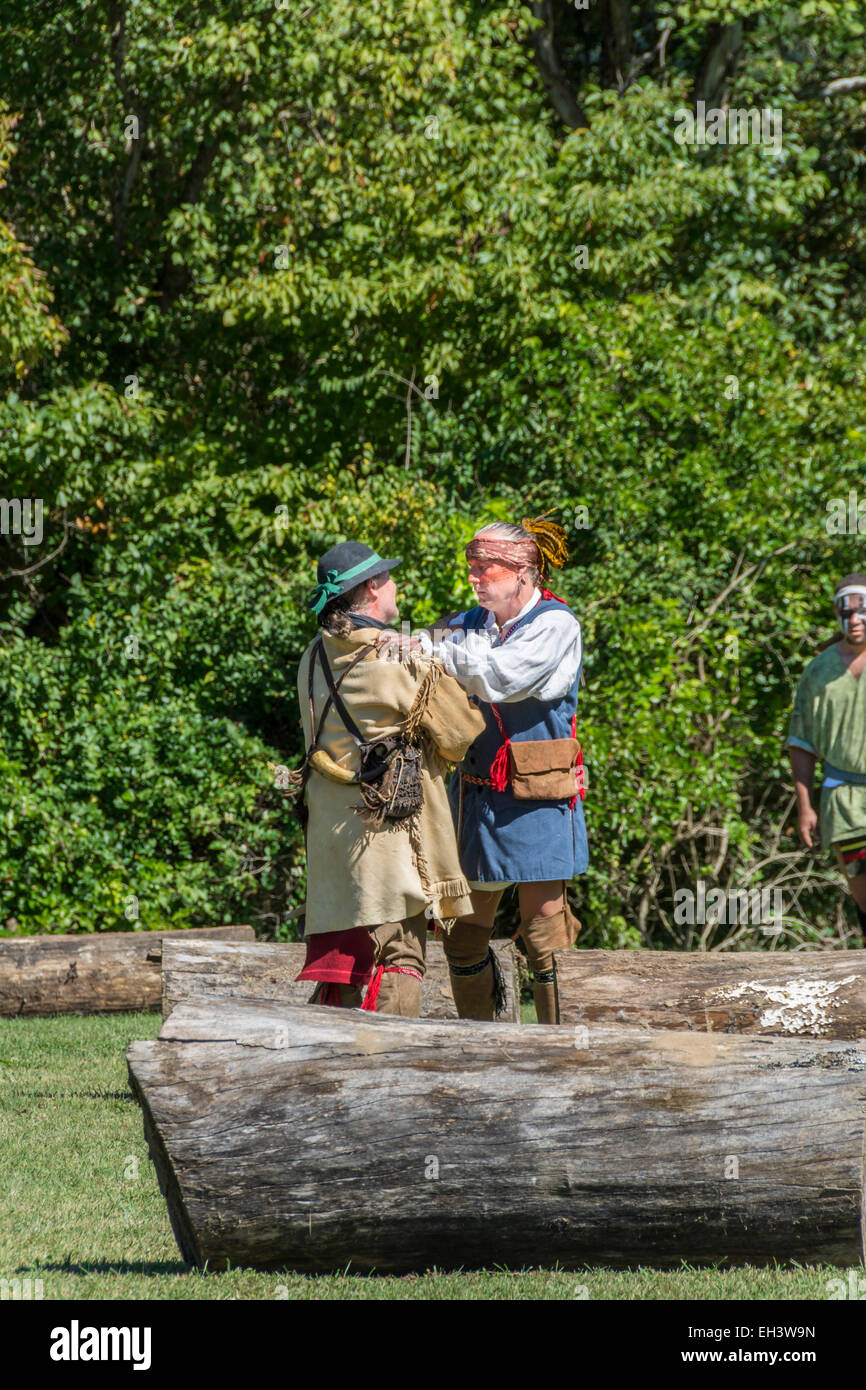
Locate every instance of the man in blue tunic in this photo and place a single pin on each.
(516, 797)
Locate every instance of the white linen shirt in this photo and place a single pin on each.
(540, 659)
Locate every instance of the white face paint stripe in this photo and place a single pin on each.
(852, 589)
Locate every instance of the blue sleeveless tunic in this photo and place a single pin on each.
(500, 838)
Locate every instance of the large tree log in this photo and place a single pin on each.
(261, 970)
(102, 973)
(314, 1138)
(793, 993)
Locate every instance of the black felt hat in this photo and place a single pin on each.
(343, 567)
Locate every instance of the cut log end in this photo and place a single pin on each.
(181, 1225)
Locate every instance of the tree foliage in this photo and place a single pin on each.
(275, 276)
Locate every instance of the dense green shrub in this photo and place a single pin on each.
(394, 304)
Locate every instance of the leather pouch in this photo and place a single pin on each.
(543, 769)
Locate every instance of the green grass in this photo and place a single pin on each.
(81, 1209)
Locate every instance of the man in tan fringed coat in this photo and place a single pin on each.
(372, 891)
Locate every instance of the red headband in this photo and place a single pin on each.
(513, 554)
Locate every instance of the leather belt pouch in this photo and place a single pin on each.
(543, 769)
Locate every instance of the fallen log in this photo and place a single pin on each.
(784, 993)
(94, 973)
(317, 1138)
(218, 970)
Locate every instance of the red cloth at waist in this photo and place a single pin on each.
(339, 957)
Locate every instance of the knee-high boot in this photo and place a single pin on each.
(396, 983)
(399, 992)
(575, 926)
(472, 969)
(541, 937)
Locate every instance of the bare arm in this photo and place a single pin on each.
(803, 768)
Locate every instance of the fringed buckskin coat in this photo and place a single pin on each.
(359, 876)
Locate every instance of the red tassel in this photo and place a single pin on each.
(548, 593)
(579, 774)
(499, 770)
(373, 990)
(371, 998)
(578, 767)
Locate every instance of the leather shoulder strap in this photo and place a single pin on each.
(334, 689)
(311, 670)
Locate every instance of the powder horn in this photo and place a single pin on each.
(324, 764)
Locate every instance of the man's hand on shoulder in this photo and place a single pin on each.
(394, 646)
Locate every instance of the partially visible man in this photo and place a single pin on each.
(829, 723)
(374, 883)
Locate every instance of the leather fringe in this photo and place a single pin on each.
(421, 702)
(500, 999)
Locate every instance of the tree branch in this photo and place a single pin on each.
(640, 63)
(841, 86)
(559, 89)
(136, 106)
(175, 278)
(31, 569)
(617, 43)
(751, 573)
(719, 62)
